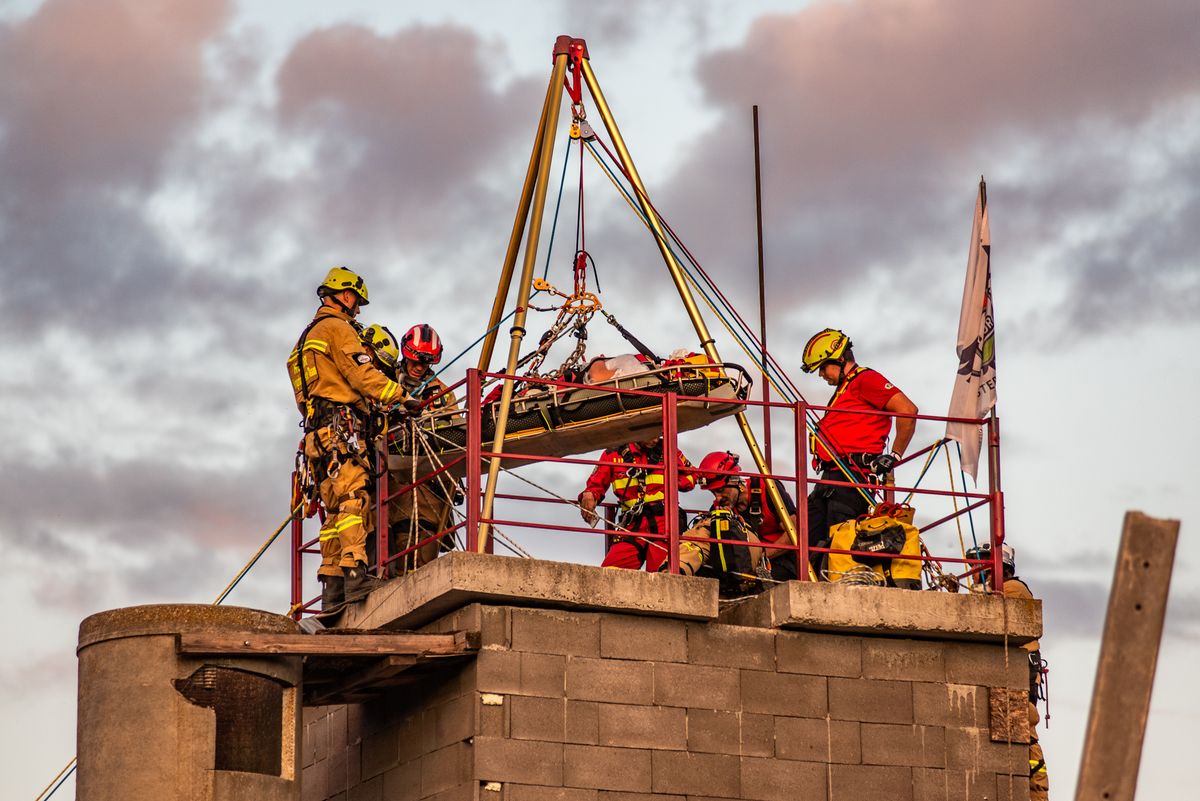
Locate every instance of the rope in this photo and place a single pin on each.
(962, 546)
(928, 462)
(962, 473)
(62, 776)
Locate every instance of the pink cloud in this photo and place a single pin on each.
(96, 90)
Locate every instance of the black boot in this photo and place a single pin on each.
(359, 582)
(332, 592)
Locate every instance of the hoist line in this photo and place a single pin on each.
(963, 474)
(57, 781)
(562, 183)
(790, 392)
(725, 302)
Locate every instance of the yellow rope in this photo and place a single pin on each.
(962, 545)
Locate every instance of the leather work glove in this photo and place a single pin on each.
(412, 405)
(587, 506)
(884, 463)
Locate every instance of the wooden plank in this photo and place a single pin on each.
(377, 644)
(1112, 750)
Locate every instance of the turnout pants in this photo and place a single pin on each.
(343, 487)
(412, 517)
(631, 552)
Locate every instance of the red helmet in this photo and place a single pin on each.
(422, 344)
(717, 460)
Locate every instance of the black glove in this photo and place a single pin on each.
(412, 405)
(884, 463)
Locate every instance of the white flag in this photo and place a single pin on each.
(975, 386)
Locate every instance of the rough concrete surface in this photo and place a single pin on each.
(459, 578)
(821, 606)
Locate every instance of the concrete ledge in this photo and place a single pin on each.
(820, 606)
(459, 578)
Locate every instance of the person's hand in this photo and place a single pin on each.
(587, 508)
(884, 463)
(411, 405)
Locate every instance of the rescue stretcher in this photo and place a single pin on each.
(557, 421)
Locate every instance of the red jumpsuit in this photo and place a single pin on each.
(640, 492)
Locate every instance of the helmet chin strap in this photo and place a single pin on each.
(349, 310)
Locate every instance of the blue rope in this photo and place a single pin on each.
(562, 182)
(61, 782)
(963, 473)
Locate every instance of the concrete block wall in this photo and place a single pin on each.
(596, 706)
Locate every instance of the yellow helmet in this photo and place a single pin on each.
(826, 345)
(380, 339)
(338, 279)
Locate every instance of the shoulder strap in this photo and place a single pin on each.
(300, 357)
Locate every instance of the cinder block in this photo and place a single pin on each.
(870, 700)
(381, 751)
(529, 792)
(780, 780)
(313, 782)
(936, 784)
(903, 744)
(521, 761)
(973, 750)
(784, 693)
(713, 731)
(858, 782)
(582, 725)
(335, 772)
(604, 768)
(445, 768)
(534, 718)
(631, 726)
(611, 680)
(337, 728)
(547, 631)
(680, 772)
(1012, 788)
(951, 705)
(455, 720)
(403, 782)
(758, 734)
(493, 718)
(647, 638)
(498, 671)
(353, 764)
(609, 795)
(982, 663)
(696, 686)
(462, 792)
(818, 740)
(730, 646)
(316, 740)
(910, 660)
(818, 654)
(543, 674)
(1008, 715)
(370, 790)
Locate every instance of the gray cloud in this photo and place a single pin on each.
(403, 126)
(875, 124)
(107, 90)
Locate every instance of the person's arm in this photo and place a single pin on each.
(687, 474)
(597, 486)
(905, 426)
(354, 363)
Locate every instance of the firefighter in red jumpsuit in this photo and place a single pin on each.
(851, 447)
(640, 489)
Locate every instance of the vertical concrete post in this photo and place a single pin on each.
(1137, 605)
(157, 726)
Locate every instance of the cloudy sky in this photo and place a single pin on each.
(175, 177)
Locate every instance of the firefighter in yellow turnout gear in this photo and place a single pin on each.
(335, 382)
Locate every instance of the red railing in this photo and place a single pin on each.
(477, 454)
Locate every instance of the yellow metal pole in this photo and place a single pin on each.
(517, 332)
(685, 294)
(553, 94)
